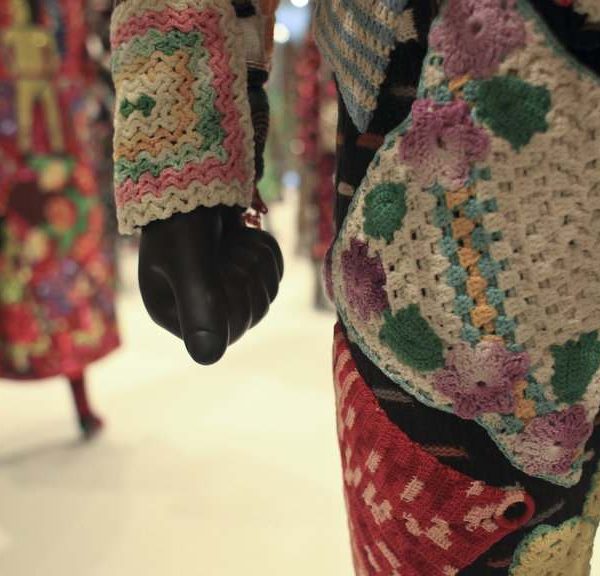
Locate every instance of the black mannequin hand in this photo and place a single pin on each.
(207, 278)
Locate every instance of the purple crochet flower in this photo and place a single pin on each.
(550, 444)
(481, 380)
(364, 281)
(476, 35)
(443, 143)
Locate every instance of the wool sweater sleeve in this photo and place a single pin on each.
(189, 78)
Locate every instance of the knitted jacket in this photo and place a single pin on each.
(466, 269)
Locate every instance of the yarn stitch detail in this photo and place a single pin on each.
(505, 258)
(399, 523)
(195, 146)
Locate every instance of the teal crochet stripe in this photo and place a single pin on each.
(352, 41)
(457, 275)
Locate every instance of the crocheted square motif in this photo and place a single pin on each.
(564, 549)
(357, 37)
(183, 135)
(408, 513)
(466, 268)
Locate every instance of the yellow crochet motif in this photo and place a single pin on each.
(566, 549)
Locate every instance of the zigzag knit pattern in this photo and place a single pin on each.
(183, 132)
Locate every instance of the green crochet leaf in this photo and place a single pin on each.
(145, 105)
(412, 340)
(515, 110)
(575, 365)
(385, 209)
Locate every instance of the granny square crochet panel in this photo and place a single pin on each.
(467, 268)
(183, 133)
(410, 514)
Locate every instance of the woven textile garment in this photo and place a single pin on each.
(56, 275)
(466, 268)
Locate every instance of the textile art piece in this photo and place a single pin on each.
(467, 268)
(183, 133)
(408, 513)
(356, 37)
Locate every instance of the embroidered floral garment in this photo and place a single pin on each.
(476, 234)
(56, 276)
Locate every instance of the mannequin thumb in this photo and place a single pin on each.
(202, 316)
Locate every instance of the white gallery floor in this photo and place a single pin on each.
(226, 471)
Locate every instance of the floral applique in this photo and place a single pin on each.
(556, 551)
(364, 281)
(385, 208)
(411, 338)
(475, 36)
(482, 379)
(550, 444)
(575, 365)
(443, 143)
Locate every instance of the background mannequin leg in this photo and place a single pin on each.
(89, 422)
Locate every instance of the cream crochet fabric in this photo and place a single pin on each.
(467, 268)
(589, 7)
(183, 132)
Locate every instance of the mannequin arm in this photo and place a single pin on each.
(190, 130)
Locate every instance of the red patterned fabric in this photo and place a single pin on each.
(409, 514)
(57, 311)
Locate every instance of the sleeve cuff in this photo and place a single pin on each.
(183, 130)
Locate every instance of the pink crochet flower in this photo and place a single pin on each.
(364, 281)
(474, 36)
(550, 444)
(443, 143)
(481, 380)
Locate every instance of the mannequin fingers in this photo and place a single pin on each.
(159, 300)
(252, 277)
(202, 313)
(239, 303)
(232, 222)
(260, 260)
(268, 240)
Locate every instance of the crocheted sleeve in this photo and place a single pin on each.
(183, 128)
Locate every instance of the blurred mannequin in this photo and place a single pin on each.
(56, 292)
